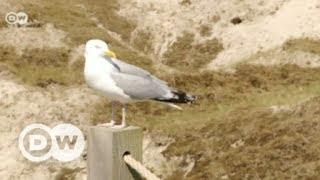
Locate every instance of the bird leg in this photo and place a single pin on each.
(112, 122)
(123, 123)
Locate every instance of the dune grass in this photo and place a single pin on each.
(216, 99)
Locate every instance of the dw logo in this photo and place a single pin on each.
(17, 18)
(64, 142)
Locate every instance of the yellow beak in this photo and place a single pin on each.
(111, 54)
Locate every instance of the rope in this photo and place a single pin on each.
(136, 165)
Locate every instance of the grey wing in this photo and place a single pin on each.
(140, 88)
(134, 70)
(131, 69)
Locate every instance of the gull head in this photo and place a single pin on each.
(97, 47)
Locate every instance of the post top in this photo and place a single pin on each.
(110, 129)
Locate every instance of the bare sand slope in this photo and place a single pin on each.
(244, 28)
(22, 105)
(296, 20)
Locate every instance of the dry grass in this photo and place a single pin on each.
(68, 16)
(218, 92)
(303, 44)
(105, 10)
(143, 41)
(255, 143)
(41, 67)
(232, 130)
(186, 55)
(205, 30)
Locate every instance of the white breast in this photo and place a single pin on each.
(97, 75)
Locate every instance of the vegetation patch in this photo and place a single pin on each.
(143, 41)
(184, 54)
(250, 86)
(41, 67)
(232, 131)
(3, 24)
(255, 142)
(307, 45)
(185, 2)
(67, 16)
(74, 18)
(205, 30)
(106, 11)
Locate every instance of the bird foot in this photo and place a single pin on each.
(110, 124)
(121, 126)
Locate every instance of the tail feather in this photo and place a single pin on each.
(179, 97)
(174, 106)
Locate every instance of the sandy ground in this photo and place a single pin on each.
(22, 105)
(32, 38)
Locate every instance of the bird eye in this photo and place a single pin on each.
(96, 46)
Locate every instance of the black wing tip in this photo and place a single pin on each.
(192, 98)
(180, 97)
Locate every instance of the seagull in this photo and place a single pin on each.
(125, 83)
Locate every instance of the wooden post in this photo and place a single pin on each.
(106, 147)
